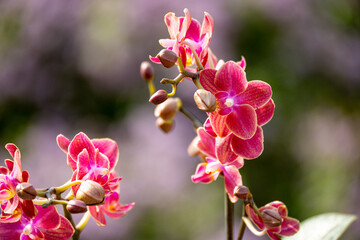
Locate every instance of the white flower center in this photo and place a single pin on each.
(229, 102)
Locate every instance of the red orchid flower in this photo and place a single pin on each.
(47, 224)
(286, 226)
(242, 106)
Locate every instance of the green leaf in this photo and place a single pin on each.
(327, 226)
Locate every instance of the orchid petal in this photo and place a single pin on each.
(254, 217)
(218, 124)
(265, 113)
(257, 94)
(232, 179)
(172, 23)
(193, 32)
(167, 43)
(80, 142)
(250, 148)
(273, 236)
(223, 151)
(97, 215)
(201, 175)
(231, 77)
(63, 142)
(48, 218)
(207, 25)
(289, 226)
(207, 80)
(63, 232)
(184, 25)
(242, 63)
(206, 143)
(242, 121)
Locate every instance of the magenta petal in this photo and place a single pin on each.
(256, 94)
(242, 121)
(79, 143)
(242, 63)
(250, 148)
(98, 215)
(167, 43)
(231, 78)
(172, 23)
(11, 148)
(223, 150)
(63, 232)
(154, 60)
(207, 25)
(265, 113)
(83, 164)
(185, 24)
(48, 218)
(11, 231)
(207, 78)
(63, 142)
(193, 31)
(273, 236)
(232, 179)
(218, 124)
(206, 143)
(109, 148)
(201, 175)
(289, 227)
(254, 217)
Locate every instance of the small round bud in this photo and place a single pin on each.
(90, 192)
(167, 58)
(165, 125)
(241, 192)
(205, 100)
(168, 109)
(158, 97)
(26, 191)
(147, 71)
(76, 206)
(271, 217)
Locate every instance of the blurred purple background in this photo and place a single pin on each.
(70, 66)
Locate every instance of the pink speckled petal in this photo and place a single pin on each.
(254, 217)
(218, 124)
(289, 227)
(207, 25)
(167, 43)
(242, 63)
(63, 142)
(207, 78)
(201, 175)
(223, 150)
(184, 25)
(206, 143)
(265, 113)
(232, 179)
(98, 215)
(231, 78)
(273, 236)
(63, 232)
(193, 31)
(47, 217)
(79, 143)
(250, 148)
(172, 23)
(242, 121)
(154, 60)
(257, 94)
(109, 148)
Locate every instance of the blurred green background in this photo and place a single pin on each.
(70, 66)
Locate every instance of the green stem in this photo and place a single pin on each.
(242, 225)
(68, 215)
(196, 123)
(229, 217)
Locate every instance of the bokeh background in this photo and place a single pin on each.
(73, 65)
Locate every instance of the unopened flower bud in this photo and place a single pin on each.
(241, 192)
(167, 58)
(26, 191)
(158, 97)
(271, 217)
(76, 206)
(205, 100)
(147, 71)
(90, 192)
(165, 125)
(168, 109)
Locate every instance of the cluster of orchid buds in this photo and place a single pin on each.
(30, 213)
(236, 111)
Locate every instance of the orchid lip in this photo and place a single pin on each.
(229, 102)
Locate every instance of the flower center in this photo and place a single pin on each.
(229, 102)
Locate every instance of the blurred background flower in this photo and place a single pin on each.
(69, 66)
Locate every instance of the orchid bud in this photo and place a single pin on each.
(205, 100)
(90, 192)
(241, 192)
(167, 58)
(165, 125)
(168, 109)
(158, 97)
(271, 217)
(147, 71)
(76, 206)
(26, 191)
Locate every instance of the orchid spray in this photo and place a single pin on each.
(232, 133)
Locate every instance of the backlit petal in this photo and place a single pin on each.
(250, 148)
(231, 78)
(265, 113)
(242, 121)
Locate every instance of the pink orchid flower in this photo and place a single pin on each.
(185, 30)
(220, 160)
(289, 226)
(94, 160)
(111, 207)
(47, 225)
(242, 106)
(12, 206)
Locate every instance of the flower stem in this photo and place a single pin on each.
(68, 215)
(229, 217)
(84, 220)
(67, 185)
(242, 225)
(196, 123)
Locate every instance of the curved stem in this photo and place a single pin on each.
(84, 220)
(68, 215)
(66, 186)
(242, 225)
(151, 87)
(229, 217)
(252, 228)
(196, 123)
